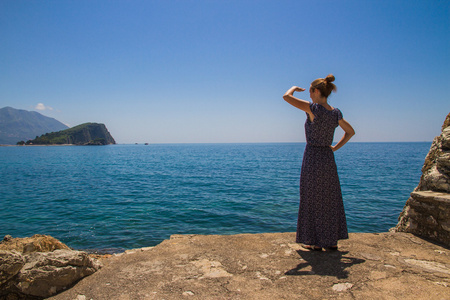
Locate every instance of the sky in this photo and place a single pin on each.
(208, 71)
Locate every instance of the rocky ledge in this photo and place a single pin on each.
(272, 266)
(244, 266)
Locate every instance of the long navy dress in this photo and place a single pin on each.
(321, 216)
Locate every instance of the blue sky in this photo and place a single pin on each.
(215, 71)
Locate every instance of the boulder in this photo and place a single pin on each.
(48, 273)
(40, 267)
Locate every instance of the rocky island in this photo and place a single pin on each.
(84, 134)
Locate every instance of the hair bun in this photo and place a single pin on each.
(329, 78)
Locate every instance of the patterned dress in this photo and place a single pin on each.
(321, 216)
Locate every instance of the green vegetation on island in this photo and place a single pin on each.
(84, 134)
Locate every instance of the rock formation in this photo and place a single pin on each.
(84, 134)
(427, 211)
(40, 267)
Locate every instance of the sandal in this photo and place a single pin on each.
(310, 247)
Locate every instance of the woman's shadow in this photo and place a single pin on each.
(333, 263)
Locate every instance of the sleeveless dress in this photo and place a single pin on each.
(321, 216)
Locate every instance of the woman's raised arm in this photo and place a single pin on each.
(299, 103)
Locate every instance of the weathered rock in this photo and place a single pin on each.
(436, 169)
(7, 238)
(36, 243)
(427, 211)
(10, 264)
(427, 214)
(31, 268)
(47, 273)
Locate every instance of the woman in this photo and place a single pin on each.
(321, 217)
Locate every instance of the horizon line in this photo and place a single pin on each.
(187, 143)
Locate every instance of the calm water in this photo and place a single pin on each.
(127, 196)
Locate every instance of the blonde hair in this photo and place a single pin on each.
(324, 85)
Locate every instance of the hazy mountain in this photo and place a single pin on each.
(21, 125)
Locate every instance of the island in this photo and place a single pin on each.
(84, 134)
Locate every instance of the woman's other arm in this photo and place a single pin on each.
(349, 132)
(299, 103)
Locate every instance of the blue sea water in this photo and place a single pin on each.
(127, 196)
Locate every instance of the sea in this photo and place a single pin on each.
(117, 197)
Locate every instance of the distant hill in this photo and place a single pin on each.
(21, 125)
(84, 134)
